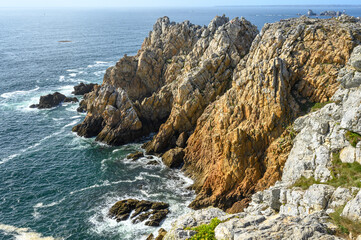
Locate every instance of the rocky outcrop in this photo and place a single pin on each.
(53, 100)
(242, 140)
(82, 88)
(179, 70)
(139, 211)
(228, 97)
(306, 210)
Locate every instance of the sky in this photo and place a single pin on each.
(163, 3)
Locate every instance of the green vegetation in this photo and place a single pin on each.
(206, 231)
(305, 183)
(353, 138)
(343, 175)
(345, 226)
(318, 106)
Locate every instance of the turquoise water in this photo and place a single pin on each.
(53, 182)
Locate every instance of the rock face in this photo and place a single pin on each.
(285, 211)
(173, 158)
(53, 100)
(238, 146)
(153, 212)
(82, 88)
(228, 97)
(179, 70)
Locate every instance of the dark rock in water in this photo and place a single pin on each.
(173, 158)
(135, 156)
(161, 234)
(52, 100)
(82, 106)
(96, 123)
(82, 88)
(154, 162)
(157, 217)
(142, 210)
(71, 99)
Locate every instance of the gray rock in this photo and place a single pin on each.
(340, 197)
(355, 58)
(352, 209)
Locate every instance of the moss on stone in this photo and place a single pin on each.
(353, 138)
(206, 231)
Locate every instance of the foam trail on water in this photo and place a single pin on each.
(16, 93)
(36, 214)
(104, 184)
(22, 233)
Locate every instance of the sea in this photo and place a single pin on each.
(54, 184)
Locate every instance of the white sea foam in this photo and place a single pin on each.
(72, 123)
(22, 233)
(61, 78)
(99, 73)
(99, 64)
(104, 184)
(72, 74)
(18, 93)
(36, 214)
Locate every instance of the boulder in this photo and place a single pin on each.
(356, 58)
(82, 88)
(173, 158)
(352, 209)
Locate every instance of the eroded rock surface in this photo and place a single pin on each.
(237, 146)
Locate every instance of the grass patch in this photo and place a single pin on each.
(206, 231)
(318, 106)
(345, 226)
(345, 175)
(353, 138)
(305, 183)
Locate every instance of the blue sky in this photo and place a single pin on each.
(159, 3)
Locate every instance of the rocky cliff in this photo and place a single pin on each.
(223, 96)
(319, 195)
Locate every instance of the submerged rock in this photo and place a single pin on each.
(53, 100)
(82, 88)
(153, 212)
(135, 156)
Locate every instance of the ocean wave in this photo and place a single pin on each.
(17, 93)
(99, 64)
(23, 233)
(71, 124)
(104, 184)
(72, 74)
(22, 151)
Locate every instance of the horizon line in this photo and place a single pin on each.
(255, 5)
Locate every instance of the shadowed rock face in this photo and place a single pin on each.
(53, 100)
(224, 94)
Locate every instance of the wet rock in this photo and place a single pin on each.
(154, 162)
(135, 156)
(52, 100)
(173, 158)
(71, 99)
(142, 210)
(82, 88)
